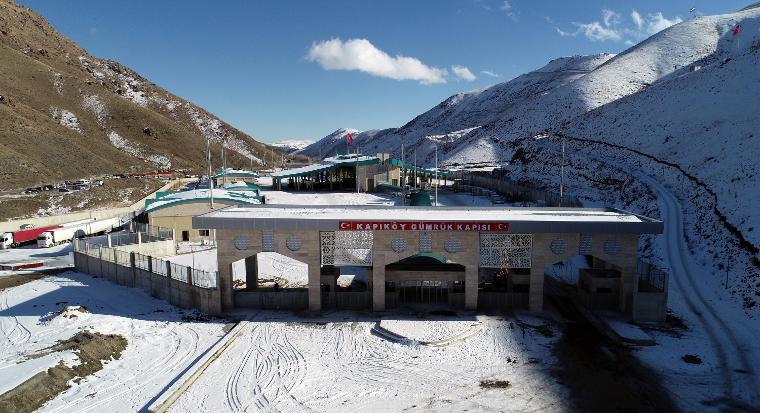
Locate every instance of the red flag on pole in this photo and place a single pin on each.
(737, 29)
(350, 138)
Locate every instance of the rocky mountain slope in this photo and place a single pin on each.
(67, 114)
(681, 105)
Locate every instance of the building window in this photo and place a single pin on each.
(185, 235)
(203, 232)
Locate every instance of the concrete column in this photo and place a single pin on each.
(536, 295)
(108, 237)
(139, 238)
(225, 285)
(315, 289)
(134, 270)
(251, 273)
(471, 287)
(378, 282)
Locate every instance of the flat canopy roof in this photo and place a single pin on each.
(374, 217)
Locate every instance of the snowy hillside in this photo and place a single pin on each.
(681, 104)
(332, 143)
(292, 145)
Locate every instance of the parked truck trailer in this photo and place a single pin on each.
(15, 239)
(68, 233)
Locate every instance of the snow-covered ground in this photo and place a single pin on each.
(58, 256)
(159, 344)
(335, 363)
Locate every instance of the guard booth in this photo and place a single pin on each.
(468, 258)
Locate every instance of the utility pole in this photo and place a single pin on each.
(562, 174)
(403, 176)
(210, 180)
(415, 167)
(224, 165)
(436, 173)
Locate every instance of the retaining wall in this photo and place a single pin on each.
(494, 300)
(176, 292)
(134, 209)
(289, 299)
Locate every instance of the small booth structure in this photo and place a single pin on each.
(176, 210)
(436, 256)
(224, 176)
(373, 173)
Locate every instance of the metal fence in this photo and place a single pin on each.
(152, 233)
(651, 278)
(512, 191)
(158, 266)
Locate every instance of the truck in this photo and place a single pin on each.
(17, 238)
(68, 233)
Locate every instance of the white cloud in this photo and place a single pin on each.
(637, 19)
(595, 31)
(361, 55)
(506, 6)
(612, 28)
(489, 73)
(463, 73)
(658, 23)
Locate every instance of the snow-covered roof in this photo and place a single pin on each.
(349, 160)
(174, 198)
(581, 220)
(327, 164)
(235, 172)
(240, 186)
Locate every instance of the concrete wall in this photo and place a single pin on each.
(292, 299)
(174, 291)
(180, 218)
(97, 214)
(154, 249)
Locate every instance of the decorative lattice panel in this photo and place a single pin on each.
(398, 245)
(558, 247)
(267, 240)
(426, 241)
(506, 250)
(585, 245)
(293, 243)
(346, 248)
(452, 244)
(242, 242)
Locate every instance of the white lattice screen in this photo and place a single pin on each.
(346, 248)
(506, 250)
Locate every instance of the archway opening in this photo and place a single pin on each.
(424, 279)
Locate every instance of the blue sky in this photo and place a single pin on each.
(301, 69)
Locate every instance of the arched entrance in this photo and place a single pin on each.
(424, 278)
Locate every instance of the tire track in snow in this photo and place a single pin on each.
(680, 262)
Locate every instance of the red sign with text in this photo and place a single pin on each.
(474, 226)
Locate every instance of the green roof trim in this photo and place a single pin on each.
(421, 198)
(174, 202)
(424, 255)
(402, 164)
(385, 186)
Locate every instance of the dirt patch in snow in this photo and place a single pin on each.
(14, 280)
(92, 349)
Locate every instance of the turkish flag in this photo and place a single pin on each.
(737, 29)
(350, 138)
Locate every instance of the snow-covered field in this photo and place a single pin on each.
(335, 363)
(58, 256)
(159, 344)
